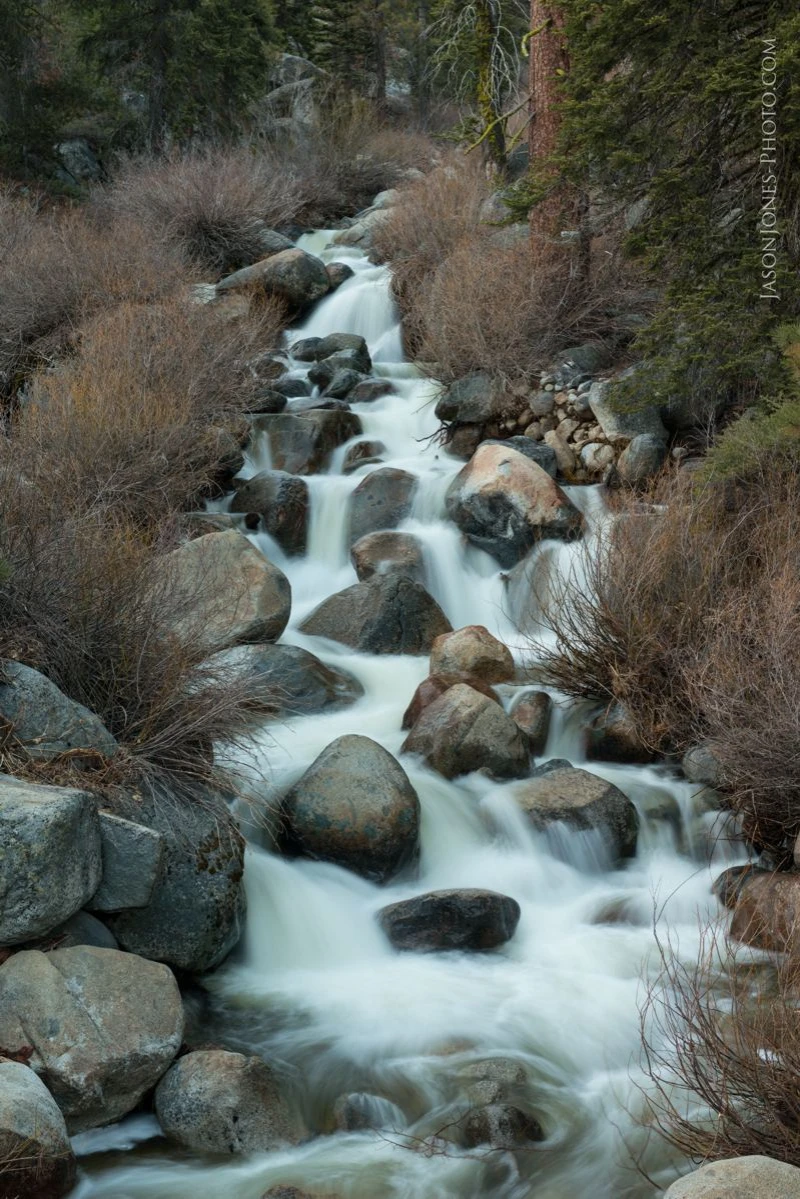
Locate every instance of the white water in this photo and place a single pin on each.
(316, 987)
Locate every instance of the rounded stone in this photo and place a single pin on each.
(472, 650)
(464, 919)
(583, 801)
(462, 731)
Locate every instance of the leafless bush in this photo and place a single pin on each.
(722, 1049)
(138, 420)
(213, 203)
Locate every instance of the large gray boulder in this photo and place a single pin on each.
(297, 278)
(388, 614)
(642, 459)
(133, 856)
(463, 730)
(540, 453)
(463, 919)
(354, 806)
(504, 503)
(212, 1101)
(281, 500)
(381, 501)
(472, 650)
(701, 764)
(50, 857)
(753, 1177)
(36, 1158)
(103, 1026)
(582, 801)
(196, 911)
(225, 592)
(619, 423)
(317, 349)
(477, 398)
(44, 722)
(302, 443)
(290, 680)
(388, 553)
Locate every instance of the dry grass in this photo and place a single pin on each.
(722, 1048)
(690, 617)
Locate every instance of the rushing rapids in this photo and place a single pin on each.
(316, 986)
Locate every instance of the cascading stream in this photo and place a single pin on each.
(316, 985)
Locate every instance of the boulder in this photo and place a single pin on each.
(133, 856)
(613, 738)
(492, 1080)
(354, 806)
(388, 553)
(342, 383)
(370, 390)
(230, 592)
(362, 453)
(475, 399)
(501, 1126)
(543, 455)
(532, 716)
(338, 273)
(302, 443)
(766, 911)
(641, 459)
(596, 457)
(504, 503)
(362, 231)
(266, 400)
(50, 857)
(462, 731)
(316, 349)
(472, 650)
(44, 722)
(103, 1026)
(460, 919)
(381, 501)
(435, 685)
(293, 389)
(212, 1101)
(81, 929)
(290, 680)
(196, 912)
(387, 614)
(566, 459)
(728, 885)
(36, 1158)
(582, 801)
(272, 242)
(620, 424)
(360, 1111)
(281, 500)
(701, 765)
(753, 1177)
(297, 278)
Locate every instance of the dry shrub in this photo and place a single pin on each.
(213, 203)
(722, 1049)
(136, 422)
(689, 615)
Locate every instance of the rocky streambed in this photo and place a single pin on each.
(450, 906)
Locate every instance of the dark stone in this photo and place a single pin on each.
(338, 273)
(294, 682)
(464, 730)
(293, 389)
(363, 453)
(477, 398)
(501, 1126)
(435, 685)
(613, 738)
(381, 501)
(267, 400)
(387, 553)
(302, 443)
(281, 501)
(458, 919)
(297, 278)
(582, 801)
(369, 390)
(342, 384)
(532, 716)
(387, 614)
(540, 453)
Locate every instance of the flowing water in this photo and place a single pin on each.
(316, 987)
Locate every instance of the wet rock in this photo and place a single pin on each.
(462, 731)
(728, 886)
(132, 860)
(297, 278)
(532, 716)
(266, 400)
(463, 441)
(317, 349)
(620, 426)
(354, 806)
(767, 912)
(492, 1080)
(212, 1101)
(543, 455)
(103, 1027)
(281, 500)
(362, 232)
(290, 1192)
(387, 614)
(504, 503)
(291, 681)
(342, 383)
(613, 738)
(752, 1177)
(50, 857)
(338, 273)
(38, 1161)
(387, 553)
(472, 650)
(500, 1126)
(381, 501)
(582, 801)
(360, 1112)
(196, 913)
(82, 929)
(231, 593)
(363, 453)
(477, 398)
(641, 459)
(437, 684)
(302, 443)
(458, 919)
(293, 389)
(44, 722)
(369, 390)
(701, 765)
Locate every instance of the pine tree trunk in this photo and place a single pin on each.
(488, 100)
